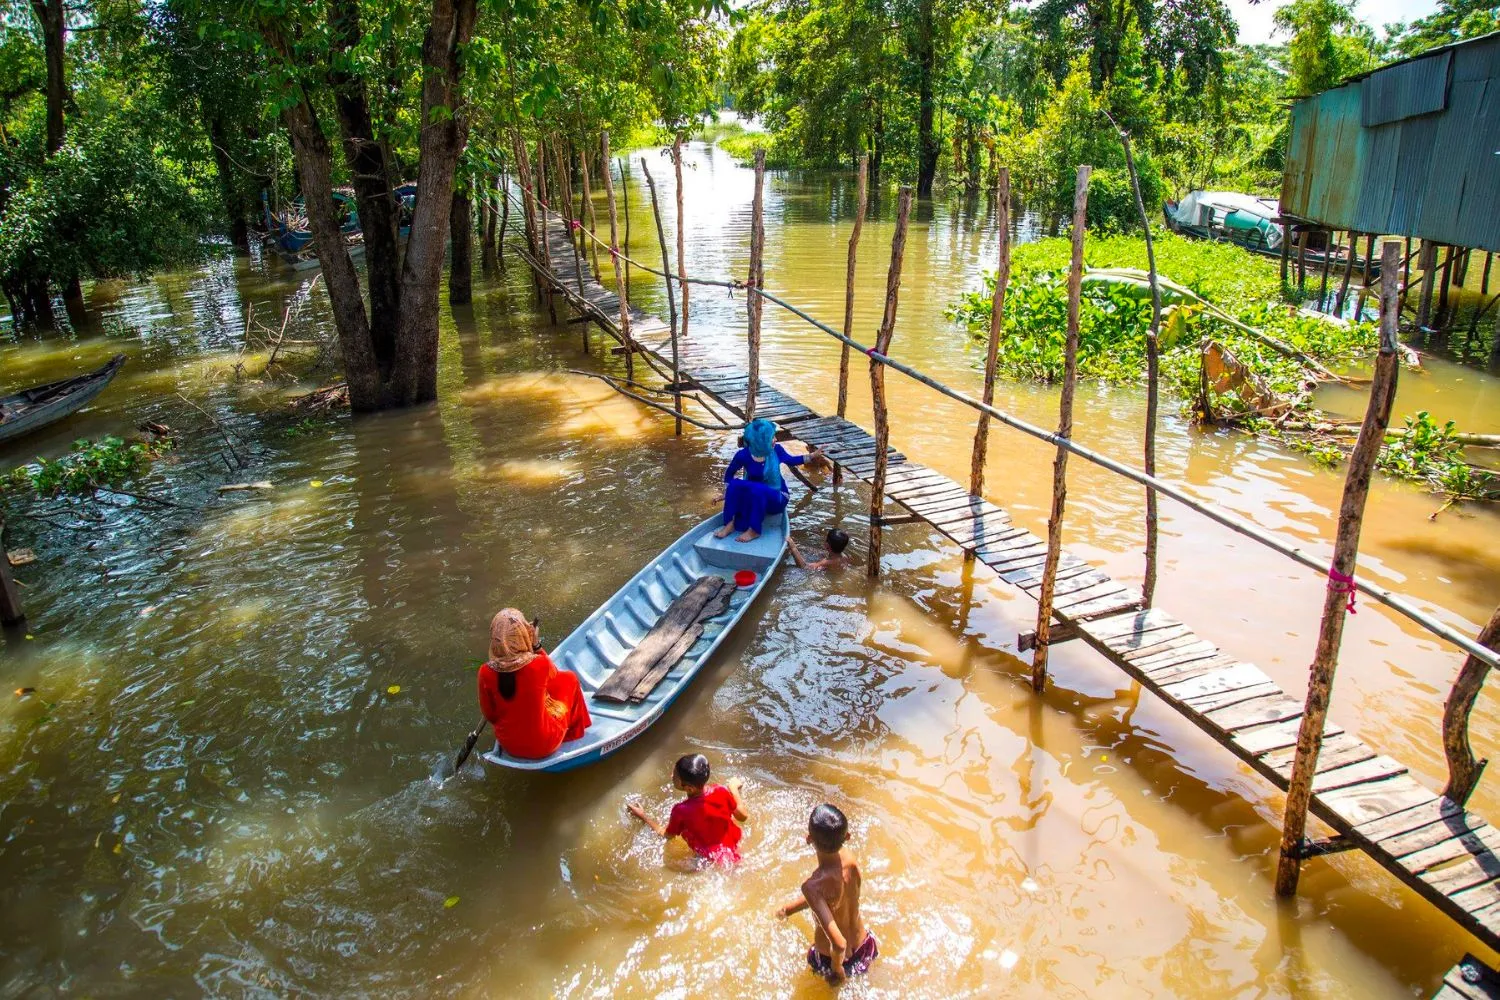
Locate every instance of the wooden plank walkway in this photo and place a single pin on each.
(1446, 854)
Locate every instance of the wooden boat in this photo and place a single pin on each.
(32, 409)
(600, 644)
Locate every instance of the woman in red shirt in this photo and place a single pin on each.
(533, 706)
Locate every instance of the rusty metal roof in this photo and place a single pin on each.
(1411, 149)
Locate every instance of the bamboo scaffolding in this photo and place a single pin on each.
(753, 303)
(1338, 598)
(621, 292)
(1064, 430)
(877, 380)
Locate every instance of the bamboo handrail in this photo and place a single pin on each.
(1233, 522)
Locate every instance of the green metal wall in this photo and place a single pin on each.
(1428, 165)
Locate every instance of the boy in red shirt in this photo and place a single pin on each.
(708, 818)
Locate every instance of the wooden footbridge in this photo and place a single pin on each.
(1443, 852)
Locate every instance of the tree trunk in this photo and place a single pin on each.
(927, 143)
(461, 261)
(49, 13)
(489, 214)
(1463, 768)
(315, 172)
(369, 168)
(414, 375)
(235, 211)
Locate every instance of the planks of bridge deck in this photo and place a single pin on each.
(1448, 855)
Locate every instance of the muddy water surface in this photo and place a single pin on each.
(219, 785)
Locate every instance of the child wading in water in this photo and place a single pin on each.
(832, 893)
(706, 819)
(838, 541)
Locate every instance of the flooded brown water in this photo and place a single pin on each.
(219, 785)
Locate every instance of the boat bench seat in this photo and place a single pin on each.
(730, 554)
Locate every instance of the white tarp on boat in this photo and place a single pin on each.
(1232, 209)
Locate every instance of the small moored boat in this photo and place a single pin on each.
(598, 647)
(32, 409)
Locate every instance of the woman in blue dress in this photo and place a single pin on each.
(763, 490)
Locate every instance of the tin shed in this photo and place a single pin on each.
(1410, 149)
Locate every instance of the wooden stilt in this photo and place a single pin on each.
(1328, 248)
(1461, 269)
(1286, 249)
(1343, 295)
(1405, 272)
(1463, 769)
(565, 190)
(588, 207)
(1065, 430)
(877, 380)
(1302, 261)
(625, 207)
(1339, 596)
(753, 302)
(1427, 261)
(666, 266)
(621, 292)
(1364, 286)
(992, 345)
(681, 240)
(11, 612)
(1445, 283)
(1484, 281)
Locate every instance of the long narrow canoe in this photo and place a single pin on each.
(32, 409)
(599, 645)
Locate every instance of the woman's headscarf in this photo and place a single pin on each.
(760, 438)
(512, 641)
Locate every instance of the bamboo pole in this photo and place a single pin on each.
(754, 303)
(1338, 599)
(588, 205)
(861, 198)
(621, 292)
(1153, 372)
(565, 186)
(666, 268)
(681, 240)
(1064, 430)
(1343, 295)
(992, 346)
(877, 380)
(504, 188)
(625, 207)
(542, 237)
(1428, 263)
(1463, 769)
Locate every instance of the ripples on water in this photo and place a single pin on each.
(214, 789)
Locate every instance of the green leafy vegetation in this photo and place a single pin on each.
(88, 468)
(1114, 319)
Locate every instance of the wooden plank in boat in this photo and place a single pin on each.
(644, 662)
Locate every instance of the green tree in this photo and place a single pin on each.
(1327, 43)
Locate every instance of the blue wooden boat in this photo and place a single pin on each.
(37, 407)
(606, 637)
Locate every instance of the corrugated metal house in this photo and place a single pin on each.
(1410, 149)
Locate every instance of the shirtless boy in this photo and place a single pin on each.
(832, 893)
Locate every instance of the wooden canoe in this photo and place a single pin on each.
(599, 645)
(35, 408)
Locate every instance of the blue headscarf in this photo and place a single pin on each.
(760, 438)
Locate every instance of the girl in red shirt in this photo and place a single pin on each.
(533, 707)
(708, 819)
